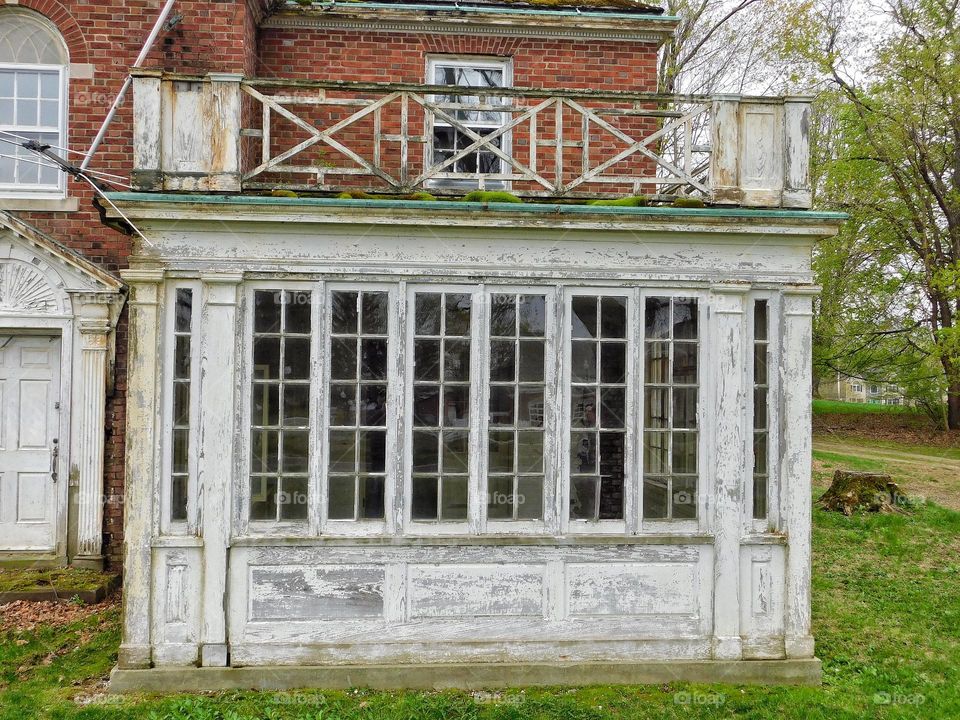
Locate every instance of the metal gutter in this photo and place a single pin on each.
(470, 207)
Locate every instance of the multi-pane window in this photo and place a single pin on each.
(447, 137)
(280, 405)
(515, 438)
(670, 408)
(441, 406)
(180, 440)
(761, 413)
(356, 466)
(598, 403)
(32, 71)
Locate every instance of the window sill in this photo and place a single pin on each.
(70, 204)
(473, 540)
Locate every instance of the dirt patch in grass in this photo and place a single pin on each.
(26, 616)
(904, 428)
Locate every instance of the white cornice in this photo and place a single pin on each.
(613, 31)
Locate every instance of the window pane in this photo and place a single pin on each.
(501, 501)
(426, 358)
(684, 499)
(298, 312)
(266, 311)
(265, 404)
(457, 314)
(375, 313)
(343, 310)
(583, 498)
(685, 319)
(613, 314)
(293, 499)
(583, 361)
(655, 497)
(613, 362)
(456, 360)
(533, 312)
(427, 312)
(454, 504)
(373, 364)
(531, 366)
(529, 498)
(425, 494)
(657, 318)
(584, 320)
(263, 498)
(456, 456)
(371, 497)
(342, 491)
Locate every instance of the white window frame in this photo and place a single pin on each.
(291, 528)
(169, 526)
(551, 416)
(774, 430)
(706, 342)
(39, 192)
(504, 64)
(396, 379)
(475, 502)
(631, 502)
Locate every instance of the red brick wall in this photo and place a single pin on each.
(221, 35)
(399, 57)
(213, 35)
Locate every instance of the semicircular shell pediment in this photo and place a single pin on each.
(25, 289)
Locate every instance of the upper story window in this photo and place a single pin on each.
(33, 79)
(462, 127)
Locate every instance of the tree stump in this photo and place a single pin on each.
(850, 491)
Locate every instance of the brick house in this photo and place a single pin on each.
(358, 418)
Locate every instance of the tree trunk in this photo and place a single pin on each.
(953, 406)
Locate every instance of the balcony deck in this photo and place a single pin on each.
(225, 133)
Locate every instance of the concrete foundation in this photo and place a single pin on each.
(464, 676)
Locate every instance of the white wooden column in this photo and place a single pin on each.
(95, 327)
(219, 337)
(795, 448)
(141, 482)
(728, 328)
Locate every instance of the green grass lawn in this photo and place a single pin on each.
(823, 407)
(886, 609)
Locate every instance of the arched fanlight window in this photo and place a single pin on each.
(33, 84)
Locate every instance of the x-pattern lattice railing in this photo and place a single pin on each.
(577, 142)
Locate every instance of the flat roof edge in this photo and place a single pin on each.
(461, 206)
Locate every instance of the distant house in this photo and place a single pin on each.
(372, 429)
(859, 390)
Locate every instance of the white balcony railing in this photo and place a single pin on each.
(225, 133)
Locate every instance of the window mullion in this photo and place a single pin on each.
(319, 411)
(398, 367)
(478, 485)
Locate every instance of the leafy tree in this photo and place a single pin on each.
(889, 154)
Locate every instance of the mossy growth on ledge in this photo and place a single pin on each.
(500, 196)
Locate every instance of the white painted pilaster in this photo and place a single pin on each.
(795, 495)
(728, 333)
(95, 327)
(142, 482)
(219, 332)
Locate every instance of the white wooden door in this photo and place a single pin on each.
(29, 422)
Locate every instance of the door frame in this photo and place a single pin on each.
(63, 329)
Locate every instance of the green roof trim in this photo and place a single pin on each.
(434, 206)
(492, 8)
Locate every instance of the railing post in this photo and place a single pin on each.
(797, 191)
(147, 172)
(725, 155)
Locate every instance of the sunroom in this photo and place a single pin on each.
(426, 442)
